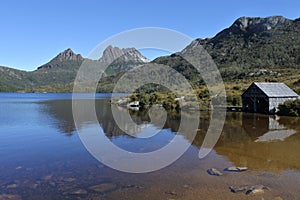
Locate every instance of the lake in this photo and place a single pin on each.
(42, 156)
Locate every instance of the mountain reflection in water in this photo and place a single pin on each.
(261, 142)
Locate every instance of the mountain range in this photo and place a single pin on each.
(62, 69)
(241, 51)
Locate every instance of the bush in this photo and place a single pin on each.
(290, 108)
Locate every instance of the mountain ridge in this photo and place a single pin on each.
(62, 69)
(274, 42)
(249, 44)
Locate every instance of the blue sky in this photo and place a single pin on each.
(34, 31)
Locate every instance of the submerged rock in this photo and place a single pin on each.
(172, 193)
(214, 172)
(10, 197)
(278, 198)
(69, 179)
(132, 186)
(34, 186)
(255, 189)
(236, 189)
(103, 187)
(79, 192)
(47, 178)
(12, 186)
(236, 169)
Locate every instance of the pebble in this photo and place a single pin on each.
(214, 172)
(236, 189)
(103, 187)
(278, 198)
(10, 197)
(171, 193)
(133, 186)
(236, 169)
(78, 192)
(69, 179)
(12, 186)
(52, 183)
(34, 186)
(255, 189)
(47, 178)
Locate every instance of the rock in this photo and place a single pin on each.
(241, 169)
(12, 186)
(214, 172)
(256, 189)
(278, 198)
(69, 179)
(9, 197)
(47, 178)
(132, 186)
(171, 193)
(103, 187)
(34, 186)
(236, 169)
(111, 54)
(18, 167)
(236, 189)
(78, 192)
(52, 183)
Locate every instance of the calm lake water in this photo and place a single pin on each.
(42, 156)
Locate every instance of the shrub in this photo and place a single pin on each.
(290, 108)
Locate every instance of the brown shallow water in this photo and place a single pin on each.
(42, 156)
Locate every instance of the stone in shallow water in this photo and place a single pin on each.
(103, 187)
(9, 197)
(78, 192)
(34, 186)
(172, 193)
(278, 198)
(47, 178)
(236, 169)
(12, 186)
(236, 189)
(69, 179)
(214, 172)
(52, 183)
(255, 189)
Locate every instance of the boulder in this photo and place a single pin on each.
(236, 169)
(214, 172)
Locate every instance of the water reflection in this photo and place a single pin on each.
(258, 141)
(262, 142)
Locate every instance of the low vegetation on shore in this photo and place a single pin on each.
(290, 108)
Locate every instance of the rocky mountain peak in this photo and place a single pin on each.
(68, 54)
(111, 54)
(260, 24)
(59, 60)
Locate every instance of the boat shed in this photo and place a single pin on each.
(265, 97)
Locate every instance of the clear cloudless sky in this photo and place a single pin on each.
(34, 31)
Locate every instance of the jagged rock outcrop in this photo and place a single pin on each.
(116, 55)
(264, 43)
(67, 55)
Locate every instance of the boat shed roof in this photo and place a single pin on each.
(273, 89)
